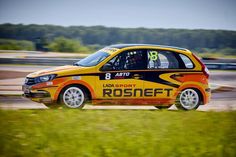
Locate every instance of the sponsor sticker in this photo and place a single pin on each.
(130, 90)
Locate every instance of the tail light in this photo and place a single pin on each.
(204, 68)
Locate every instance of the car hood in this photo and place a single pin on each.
(62, 71)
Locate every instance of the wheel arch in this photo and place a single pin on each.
(200, 95)
(198, 89)
(85, 86)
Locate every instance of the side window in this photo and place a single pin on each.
(129, 60)
(162, 60)
(187, 62)
(164, 63)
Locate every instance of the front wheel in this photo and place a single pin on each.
(188, 99)
(73, 97)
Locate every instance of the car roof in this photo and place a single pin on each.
(121, 46)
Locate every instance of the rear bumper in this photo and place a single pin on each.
(207, 97)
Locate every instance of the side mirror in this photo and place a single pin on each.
(107, 67)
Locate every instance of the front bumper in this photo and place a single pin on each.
(41, 96)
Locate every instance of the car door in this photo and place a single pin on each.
(122, 80)
(159, 81)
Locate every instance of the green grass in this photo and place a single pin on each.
(122, 133)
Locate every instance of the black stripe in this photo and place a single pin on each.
(151, 76)
(155, 77)
(133, 71)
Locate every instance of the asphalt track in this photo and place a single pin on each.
(223, 99)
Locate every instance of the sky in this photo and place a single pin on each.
(187, 14)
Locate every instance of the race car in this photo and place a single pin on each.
(125, 74)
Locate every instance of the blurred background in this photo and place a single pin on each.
(83, 26)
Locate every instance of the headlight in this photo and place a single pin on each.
(45, 78)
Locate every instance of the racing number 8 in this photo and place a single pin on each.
(108, 76)
(153, 55)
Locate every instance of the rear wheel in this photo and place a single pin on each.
(73, 97)
(188, 99)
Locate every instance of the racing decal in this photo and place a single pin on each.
(131, 90)
(135, 92)
(118, 75)
(151, 76)
(155, 77)
(108, 76)
(153, 55)
(119, 85)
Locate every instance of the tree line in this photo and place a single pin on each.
(101, 36)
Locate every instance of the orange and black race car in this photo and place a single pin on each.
(133, 74)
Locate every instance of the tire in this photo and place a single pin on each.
(188, 99)
(73, 97)
(162, 107)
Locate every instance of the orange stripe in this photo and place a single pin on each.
(192, 77)
(136, 101)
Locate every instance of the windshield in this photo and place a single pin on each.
(93, 59)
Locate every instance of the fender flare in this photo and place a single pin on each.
(78, 82)
(193, 86)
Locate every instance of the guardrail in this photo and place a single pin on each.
(38, 61)
(69, 61)
(221, 66)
